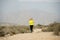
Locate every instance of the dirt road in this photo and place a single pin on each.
(32, 36)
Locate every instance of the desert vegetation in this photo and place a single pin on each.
(53, 27)
(4, 30)
(12, 30)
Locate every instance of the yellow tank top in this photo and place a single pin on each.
(31, 22)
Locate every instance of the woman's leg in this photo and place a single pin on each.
(31, 28)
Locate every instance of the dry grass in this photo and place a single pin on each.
(13, 30)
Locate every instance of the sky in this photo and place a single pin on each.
(20, 11)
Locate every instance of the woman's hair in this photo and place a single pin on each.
(31, 19)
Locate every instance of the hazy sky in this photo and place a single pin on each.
(19, 11)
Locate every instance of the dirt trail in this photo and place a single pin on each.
(33, 36)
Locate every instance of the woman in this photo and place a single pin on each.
(31, 23)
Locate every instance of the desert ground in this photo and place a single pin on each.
(36, 35)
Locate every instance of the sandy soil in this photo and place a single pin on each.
(32, 36)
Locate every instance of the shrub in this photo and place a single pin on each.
(44, 29)
(2, 34)
(50, 29)
(12, 30)
(57, 29)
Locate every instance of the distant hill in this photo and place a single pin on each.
(6, 24)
